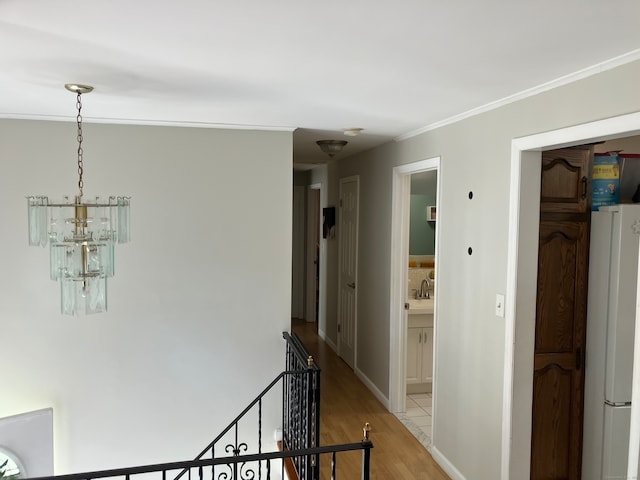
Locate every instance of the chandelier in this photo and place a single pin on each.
(82, 233)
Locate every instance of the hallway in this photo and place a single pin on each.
(345, 405)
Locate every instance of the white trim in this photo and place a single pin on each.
(401, 190)
(521, 291)
(312, 241)
(510, 307)
(327, 340)
(564, 80)
(371, 386)
(634, 430)
(298, 268)
(446, 465)
(157, 123)
(322, 300)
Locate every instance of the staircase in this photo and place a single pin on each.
(228, 457)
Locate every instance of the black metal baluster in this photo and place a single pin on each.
(366, 451)
(316, 420)
(333, 466)
(237, 451)
(213, 467)
(259, 437)
(366, 461)
(299, 425)
(305, 425)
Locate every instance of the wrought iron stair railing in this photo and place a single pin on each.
(300, 414)
(240, 467)
(300, 436)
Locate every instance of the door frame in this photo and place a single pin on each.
(341, 182)
(400, 206)
(297, 253)
(524, 204)
(312, 238)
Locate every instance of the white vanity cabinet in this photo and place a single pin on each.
(419, 352)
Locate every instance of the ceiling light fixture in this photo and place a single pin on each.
(82, 234)
(352, 132)
(331, 147)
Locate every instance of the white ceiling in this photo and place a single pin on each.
(388, 66)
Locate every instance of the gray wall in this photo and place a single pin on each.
(475, 156)
(196, 307)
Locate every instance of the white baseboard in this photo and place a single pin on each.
(369, 384)
(445, 464)
(326, 340)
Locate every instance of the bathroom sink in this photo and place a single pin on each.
(420, 305)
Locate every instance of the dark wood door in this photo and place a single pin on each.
(566, 180)
(558, 377)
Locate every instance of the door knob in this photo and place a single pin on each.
(351, 285)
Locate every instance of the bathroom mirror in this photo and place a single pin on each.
(422, 232)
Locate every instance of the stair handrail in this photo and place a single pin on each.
(365, 445)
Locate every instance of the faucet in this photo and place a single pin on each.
(425, 286)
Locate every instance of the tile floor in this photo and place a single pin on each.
(417, 417)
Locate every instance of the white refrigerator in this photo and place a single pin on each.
(611, 310)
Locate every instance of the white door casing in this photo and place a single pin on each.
(313, 250)
(348, 268)
(399, 273)
(521, 289)
(297, 254)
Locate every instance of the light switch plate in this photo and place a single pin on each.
(499, 305)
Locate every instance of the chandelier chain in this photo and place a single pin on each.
(80, 152)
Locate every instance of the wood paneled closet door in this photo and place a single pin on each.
(561, 312)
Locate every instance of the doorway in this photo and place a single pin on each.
(521, 288)
(401, 193)
(313, 253)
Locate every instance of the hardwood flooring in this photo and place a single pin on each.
(346, 404)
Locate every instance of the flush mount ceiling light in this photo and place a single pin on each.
(331, 147)
(82, 234)
(352, 132)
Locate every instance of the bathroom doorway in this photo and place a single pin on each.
(401, 289)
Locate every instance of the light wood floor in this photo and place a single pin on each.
(345, 405)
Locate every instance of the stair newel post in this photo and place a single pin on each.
(308, 440)
(366, 452)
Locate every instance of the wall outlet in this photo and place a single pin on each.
(499, 305)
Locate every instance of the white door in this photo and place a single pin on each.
(348, 267)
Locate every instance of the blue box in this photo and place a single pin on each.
(605, 180)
